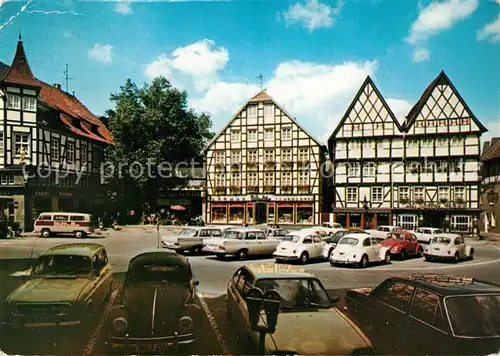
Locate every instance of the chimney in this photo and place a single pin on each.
(73, 93)
(57, 86)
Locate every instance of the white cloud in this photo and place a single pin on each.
(160, 66)
(400, 108)
(490, 31)
(439, 16)
(102, 53)
(312, 15)
(420, 54)
(123, 8)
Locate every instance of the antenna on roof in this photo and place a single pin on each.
(261, 78)
(67, 78)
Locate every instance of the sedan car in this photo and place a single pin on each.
(67, 286)
(360, 250)
(308, 322)
(332, 241)
(448, 247)
(429, 314)
(425, 234)
(299, 246)
(157, 312)
(403, 244)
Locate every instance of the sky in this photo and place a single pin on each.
(313, 55)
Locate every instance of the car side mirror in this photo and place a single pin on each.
(196, 283)
(335, 299)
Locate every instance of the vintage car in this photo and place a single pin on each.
(300, 246)
(359, 249)
(330, 228)
(276, 232)
(332, 225)
(157, 312)
(308, 322)
(66, 287)
(403, 244)
(190, 239)
(448, 247)
(318, 230)
(382, 232)
(425, 234)
(429, 314)
(241, 243)
(332, 241)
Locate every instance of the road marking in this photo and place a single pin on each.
(89, 348)
(213, 325)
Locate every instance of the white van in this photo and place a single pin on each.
(78, 224)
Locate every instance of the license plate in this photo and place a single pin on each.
(160, 347)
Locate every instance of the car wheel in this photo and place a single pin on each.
(420, 252)
(364, 262)
(428, 259)
(456, 258)
(304, 258)
(330, 253)
(387, 258)
(196, 250)
(45, 233)
(79, 234)
(402, 255)
(471, 254)
(220, 256)
(242, 255)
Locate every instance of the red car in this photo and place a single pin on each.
(403, 244)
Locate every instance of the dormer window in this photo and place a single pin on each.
(29, 103)
(13, 101)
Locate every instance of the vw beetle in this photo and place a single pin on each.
(157, 312)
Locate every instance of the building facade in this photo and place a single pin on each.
(422, 172)
(51, 147)
(264, 167)
(490, 186)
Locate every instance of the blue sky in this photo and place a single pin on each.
(313, 55)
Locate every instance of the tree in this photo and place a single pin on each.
(155, 132)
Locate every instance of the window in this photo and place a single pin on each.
(426, 308)
(29, 103)
(235, 179)
(353, 169)
(269, 155)
(303, 178)
(444, 193)
(220, 180)
(377, 194)
(70, 152)
(286, 178)
(287, 155)
(252, 156)
(21, 143)
(60, 217)
(77, 218)
(426, 143)
(369, 169)
(7, 179)
(398, 295)
(83, 153)
(269, 134)
(260, 235)
(269, 179)
(252, 179)
(235, 135)
(355, 145)
(220, 157)
(45, 217)
(404, 194)
(286, 133)
(352, 195)
(442, 142)
(412, 143)
(252, 110)
(1, 143)
(461, 223)
(235, 157)
(369, 144)
(269, 110)
(456, 142)
(303, 154)
(252, 135)
(13, 101)
(459, 194)
(418, 194)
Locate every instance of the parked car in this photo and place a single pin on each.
(384, 231)
(308, 322)
(448, 247)
(190, 239)
(80, 225)
(67, 285)
(318, 231)
(332, 225)
(299, 246)
(429, 314)
(276, 232)
(403, 244)
(332, 241)
(157, 312)
(241, 243)
(359, 249)
(425, 234)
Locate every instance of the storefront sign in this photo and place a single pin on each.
(263, 198)
(65, 194)
(42, 194)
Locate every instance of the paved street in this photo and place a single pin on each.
(218, 336)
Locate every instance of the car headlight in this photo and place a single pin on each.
(363, 351)
(120, 325)
(353, 256)
(185, 324)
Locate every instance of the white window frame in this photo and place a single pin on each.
(352, 194)
(252, 179)
(404, 193)
(287, 154)
(286, 178)
(369, 144)
(459, 193)
(236, 179)
(456, 141)
(355, 145)
(369, 169)
(70, 152)
(24, 142)
(220, 156)
(13, 101)
(235, 135)
(304, 154)
(353, 169)
(377, 194)
(83, 153)
(29, 103)
(286, 133)
(303, 178)
(461, 223)
(444, 193)
(220, 180)
(252, 110)
(268, 134)
(252, 156)
(235, 156)
(268, 110)
(269, 179)
(2, 142)
(268, 155)
(252, 135)
(419, 193)
(55, 149)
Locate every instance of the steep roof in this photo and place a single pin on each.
(441, 79)
(20, 71)
(493, 151)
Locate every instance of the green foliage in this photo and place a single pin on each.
(152, 125)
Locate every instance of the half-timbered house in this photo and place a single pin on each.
(490, 186)
(51, 147)
(422, 172)
(264, 167)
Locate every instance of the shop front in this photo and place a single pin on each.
(362, 218)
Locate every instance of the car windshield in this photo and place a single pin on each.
(233, 235)
(335, 238)
(474, 316)
(441, 240)
(158, 273)
(297, 293)
(292, 238)
(62, 264)
(189, 232)
(348, 241)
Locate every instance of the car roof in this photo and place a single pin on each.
(160, 257)
(451, 236)
(429, 228)
(271, 270)
(247, 229)
(63, 213)
(448, 285)
(357, 235)
(302, 233)
(77, 249)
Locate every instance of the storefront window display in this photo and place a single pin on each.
(250, 214)
(270, 214)
(355, 220)
(341, 219)
(219, 214)
(236, 214)
(304, 214)
(285, 214)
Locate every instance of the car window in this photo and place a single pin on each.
(374, 241)
(457, 241)
(102, 259)
(216, 232)
(398, 295)
(366, 242)
(236, 276)
(307, 240)
(45, 217)
(316, 240)
(436, 232)
(260, 235)
(61, 217)
(96, 268)
(77, 218)
(426, 308)
(204, 233)
(250, 236)
(245, 282)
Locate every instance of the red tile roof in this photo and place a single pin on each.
(493, 152)
(20, 71)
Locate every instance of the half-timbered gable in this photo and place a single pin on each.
(490, 186)
(267, 163)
